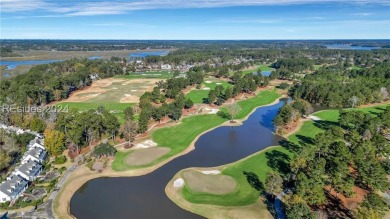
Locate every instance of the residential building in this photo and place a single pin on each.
(12, 189)
(35, 153)
(29, 170)
(166, 67)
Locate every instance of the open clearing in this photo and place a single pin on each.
(147, 74)
(115, 94)
(145, 156)
(113, 90)
(209, 183)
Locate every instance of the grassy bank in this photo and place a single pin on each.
(275, 159)
(177, 137)
(180, 136)
(263, 98)
(244, 194)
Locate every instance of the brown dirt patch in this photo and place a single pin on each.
(352, 202)
(208, 183)
(146, 156)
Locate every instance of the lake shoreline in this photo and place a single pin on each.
(82, 175)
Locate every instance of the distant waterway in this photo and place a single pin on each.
(144, 196)
(148, 53)
(350, 47)
(94, 57)
(264, 73)
(13, 64)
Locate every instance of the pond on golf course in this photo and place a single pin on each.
(144, 196)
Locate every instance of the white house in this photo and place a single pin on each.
(36, 154)
(29, 170)
(12, 189)
(36, 142)
(166, 67)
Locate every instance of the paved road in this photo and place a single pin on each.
(278, 206)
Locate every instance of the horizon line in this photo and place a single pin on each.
(297, 39)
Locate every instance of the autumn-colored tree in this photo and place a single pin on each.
(54, 142)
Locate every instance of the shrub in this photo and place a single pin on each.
(284, 85)
(60, 159)
(104, 150)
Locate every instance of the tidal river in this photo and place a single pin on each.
(144, 196)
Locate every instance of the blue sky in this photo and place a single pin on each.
(195, 19)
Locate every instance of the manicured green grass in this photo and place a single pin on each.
(82, 106)
(259, 164)
(177, 137)
(244, 194)
(262, 68)
(180, 136)
(198, 96)
(214, 83)
(148, 74)
(263, 98)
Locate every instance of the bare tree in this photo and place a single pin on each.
(129, 130)
(384, 93)
(233, 111)
(354, 100)
(321, 215)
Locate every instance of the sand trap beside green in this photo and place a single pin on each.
(146, 156)
(209, 183)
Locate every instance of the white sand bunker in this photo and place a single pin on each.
(213, 111)
(314, 118)
(178, 183)
(134, 90)
(219, 83)
(207, 82)
(127, 95)
(206, 88)
(211, 172)
(146, 144)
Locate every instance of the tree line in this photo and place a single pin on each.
(344, 88)
(351, 153)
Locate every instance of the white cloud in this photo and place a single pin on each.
(88, 8)
(362, 14)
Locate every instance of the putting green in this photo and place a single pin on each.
(209, 183)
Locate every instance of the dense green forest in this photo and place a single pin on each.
(337, 86)
(52, 82)
(353, 152)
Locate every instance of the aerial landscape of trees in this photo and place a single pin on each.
(350, 155)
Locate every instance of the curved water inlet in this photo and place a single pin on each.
(144, 196)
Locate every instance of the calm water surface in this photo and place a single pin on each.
(144, 196)
(350, 47)
(13, 64)
(145, 54)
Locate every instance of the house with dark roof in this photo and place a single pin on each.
(12, 189)
(29, 170)
(35, 153)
